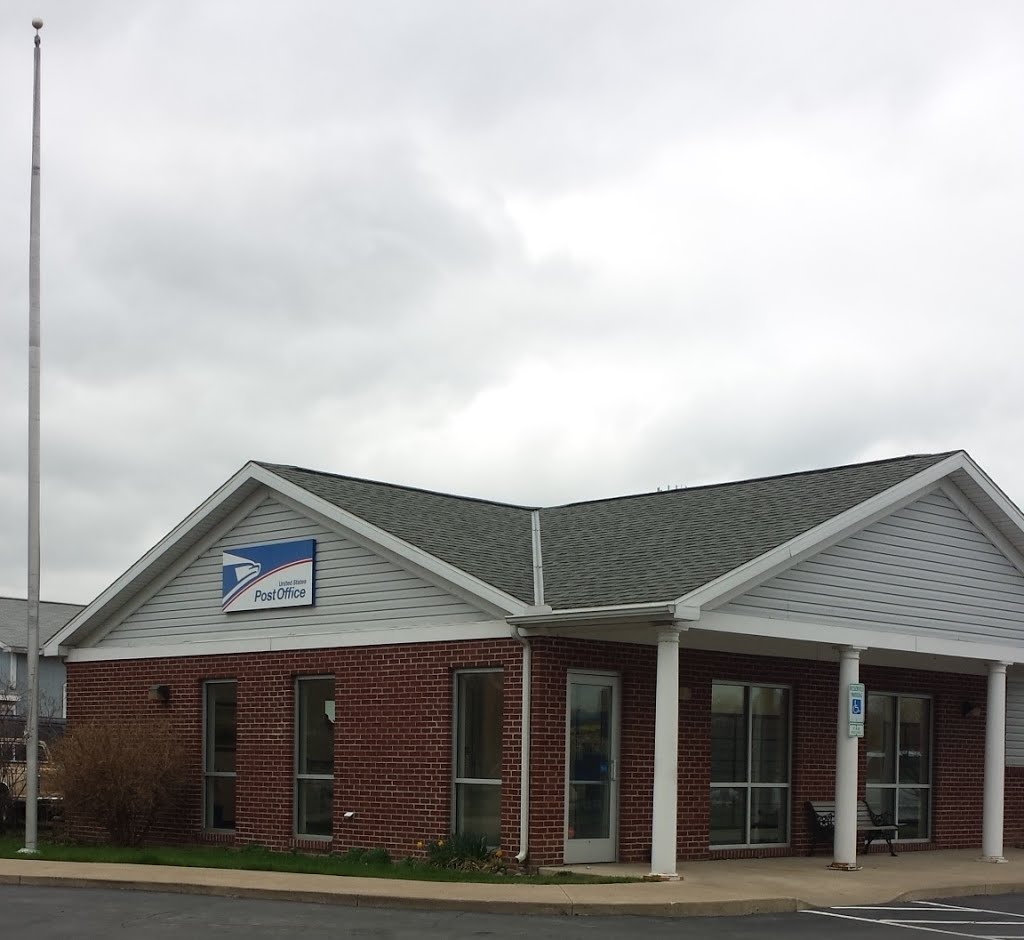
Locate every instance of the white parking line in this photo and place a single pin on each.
(896, 923)
(943, 919)
(973, 910)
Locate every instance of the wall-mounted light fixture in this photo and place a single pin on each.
(970, 710)
(159, 693)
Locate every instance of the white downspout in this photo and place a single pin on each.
(524, 765)
(524, 759)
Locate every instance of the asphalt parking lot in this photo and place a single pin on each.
(983, 918)
(55, 913)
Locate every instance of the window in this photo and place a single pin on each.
(897, 739)
(219, 746)
(749, 765)
(478, 705)
(314, 757)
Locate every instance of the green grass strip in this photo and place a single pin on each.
(258, 858)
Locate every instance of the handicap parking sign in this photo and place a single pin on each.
(856, 713)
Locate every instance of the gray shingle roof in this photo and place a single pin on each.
(660, 546)
(631, 549)
(491, 541)
(14, 622)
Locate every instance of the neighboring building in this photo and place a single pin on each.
(653, 676)
(14, 655)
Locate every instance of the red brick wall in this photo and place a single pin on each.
(958, 760)
(636, 665)
(393, 731)
(393, 738)
(1013, 832)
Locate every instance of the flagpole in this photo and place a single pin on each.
(32, 724)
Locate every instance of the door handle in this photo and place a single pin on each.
(615, 769)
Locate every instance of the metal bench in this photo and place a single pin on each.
(870, 825)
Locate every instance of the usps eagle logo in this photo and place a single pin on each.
(262, 577)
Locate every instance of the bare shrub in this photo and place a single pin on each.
(14, 754)
(121, 776)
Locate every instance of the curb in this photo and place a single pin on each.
(341, 899)
(734, 907)
(568, 908)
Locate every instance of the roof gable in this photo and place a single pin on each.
(925, 568)
(661, 546)
(356, 589)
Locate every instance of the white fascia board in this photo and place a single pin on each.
(389, 636)
(380, 537)
(836, 635)
(982, 523)
(815, 540)
(168, 543)
(660, 610)
(1007, 505)
(116, 617)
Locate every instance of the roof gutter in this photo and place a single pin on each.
(625, 613)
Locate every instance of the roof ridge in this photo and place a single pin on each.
(395, 486)
(942, 455)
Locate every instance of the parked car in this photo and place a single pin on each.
(14, 779)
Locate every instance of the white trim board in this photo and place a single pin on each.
(391, 636)
(112, 621)
(836, 635)
(176, 539)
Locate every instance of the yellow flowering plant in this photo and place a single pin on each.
(465, 851)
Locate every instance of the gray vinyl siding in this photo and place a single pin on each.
(1014, 720)
(356, 590)
(925, 569)
(52, 676)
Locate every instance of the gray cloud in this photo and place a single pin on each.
(536, 252)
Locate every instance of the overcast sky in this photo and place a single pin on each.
(532, 250)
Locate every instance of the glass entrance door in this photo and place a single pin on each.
(592, 747)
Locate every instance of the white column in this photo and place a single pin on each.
(844, 851)
(995, 765)
(666, 756)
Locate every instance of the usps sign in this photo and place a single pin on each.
(261, 577)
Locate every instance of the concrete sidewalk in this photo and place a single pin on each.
(744, 886)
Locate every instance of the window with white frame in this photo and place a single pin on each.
(897, 739)
(219, 750)
(750, 763)
(314, 756)
(478, 723)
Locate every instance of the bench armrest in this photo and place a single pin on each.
(880, 819)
